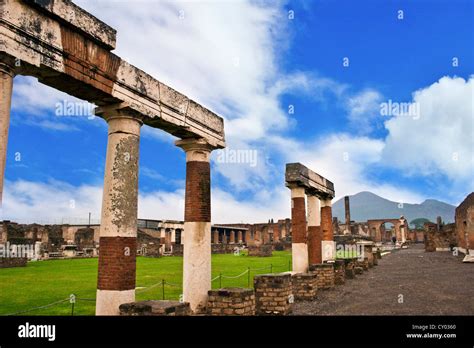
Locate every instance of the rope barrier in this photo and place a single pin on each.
(162, 283)
(235, 277)
(40, 307)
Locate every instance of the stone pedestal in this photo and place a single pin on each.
(264, 250)
(304, 286)
(325, 273)
(155, 308)
(272, 294)
(231, 301)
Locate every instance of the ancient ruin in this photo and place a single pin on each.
(312, 243)
(67, 48)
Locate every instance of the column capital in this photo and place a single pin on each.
(118, 110)
(197, 149)
(7, 69)
(297, 191)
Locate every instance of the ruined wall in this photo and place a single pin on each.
(464, 221)
(439, 237)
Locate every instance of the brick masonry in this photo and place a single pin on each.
(198, 192)
(314, 244)
(231, 301)
(298, 218)
(155, 308)
(9, 262)
(304, 286)
(325, 273)
(272, 294)
(117, 263)
(339, 272)
(326, 223)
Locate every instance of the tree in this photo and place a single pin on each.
(419, 222)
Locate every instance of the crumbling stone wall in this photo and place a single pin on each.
(260, 250)
(9, 262)
(231, 301)
(272, 294)
(325, 274)
(464, 220)
(439, 237)
(304, 286)
(155, 308)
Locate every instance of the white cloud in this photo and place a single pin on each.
(441, 139)
(57, 202)
(364, 109)
(38, 104)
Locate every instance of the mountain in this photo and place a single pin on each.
(367, 205)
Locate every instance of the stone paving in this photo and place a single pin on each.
(428, 283)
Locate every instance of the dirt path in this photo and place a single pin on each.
(430, 283)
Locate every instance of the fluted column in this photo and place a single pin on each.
(6, 88)
(197, 223)
(314, 230)
(118, 229)
(299, 247)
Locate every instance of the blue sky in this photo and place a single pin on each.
(250, 62)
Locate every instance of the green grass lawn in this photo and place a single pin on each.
(44, 282)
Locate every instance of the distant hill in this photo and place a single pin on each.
(367, 205)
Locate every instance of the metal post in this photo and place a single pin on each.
(271, 268)
(248, 277)
(220, 280)
(163, 287)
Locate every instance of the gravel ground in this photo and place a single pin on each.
(435, 283)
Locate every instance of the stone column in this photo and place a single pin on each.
(197, 223)
(314, 230)
(6, 87)
(173, 235)
(224, 238)
(239, 237)
(328, 245)
(232, 237)
(299, 248)
(216, 237)
(118, 229)
(347, 209)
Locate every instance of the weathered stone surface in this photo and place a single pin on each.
(296, 173)
(325, 275)
(155, 308)
(272, 294)
(68, 49)
(231, 301)
(9, 262)
(304, 286)
(264, 250)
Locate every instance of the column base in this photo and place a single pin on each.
(109, 301)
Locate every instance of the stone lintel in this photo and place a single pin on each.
(52, 41)
(314, 184)
(72, 15)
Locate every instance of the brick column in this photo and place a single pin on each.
(232, 237)
(239, 237)
(6, 87)
(328, 245)
(197, 223)
(314, 230)
(216, 237)
(118, 229)
(299, 248)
